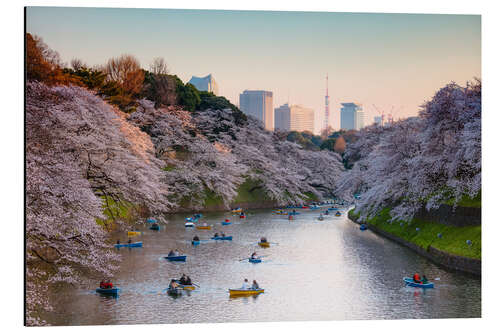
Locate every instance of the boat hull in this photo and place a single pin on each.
(254, 261)
(176, 258)
(134, 233)
(264, 244)
(223, 238)
(245, 292)
(195, 242)
(107, 291)
(225, 223)
(411, 283)
(203, 227)
(137, 244)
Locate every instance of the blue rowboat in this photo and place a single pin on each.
(189, 224)
(254, 261)
(411, 283)
(225, 223)
(107, 291)
(175, 258)
(363, 227)
(151, 221)
(195, 242)
(136, 244)
(197, 216)
(223, 238)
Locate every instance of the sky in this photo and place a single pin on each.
(383, 61)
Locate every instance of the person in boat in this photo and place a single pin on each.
(245, 285)
(416, 278)
(102, 284)
(223, 235)
(129, 241)
(188, 281)
(216, 234)
(171, 253)
(327, 213)
(173, 285)
(254, 255)
(183, 279)
(255, 285)
(263, 240)
(176, 252)
(117, 241)
(196, 238)
(424, 279)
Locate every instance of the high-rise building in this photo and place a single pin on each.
(259, 104)
(352, 116)
(206, 83)
(294, 118)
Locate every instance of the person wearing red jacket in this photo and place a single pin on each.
(416, 278)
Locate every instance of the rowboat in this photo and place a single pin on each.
(225, 223)
(136, 244)
(189, 224)
(237, 210)
(151, 220)
(203, 227)
(107, 291)
(174, 291)
(185, 286)
(242, 216)
(176, 258)
(254, 261)
(363, 227)
(245, 292)
(154, 227)
(134, 233)
(321, 218)
(264, 244)
(411, 283)
(338, 214)
(195, 242)
(223, 238)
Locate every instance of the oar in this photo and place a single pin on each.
(274, 243)
(244, 259)
(194, 284)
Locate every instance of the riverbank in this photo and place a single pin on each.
(446, 245)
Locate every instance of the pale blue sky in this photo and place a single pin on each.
(383, 59)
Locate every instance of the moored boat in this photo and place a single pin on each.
(264, 244)
(245, 292)
(411, 283)
(189, 224)
(134, 233)
(363, 227)
(136, 244)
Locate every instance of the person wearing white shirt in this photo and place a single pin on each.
(245, 285)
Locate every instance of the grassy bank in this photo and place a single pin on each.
(453, 239)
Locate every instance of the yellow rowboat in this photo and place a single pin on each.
(264, 244)
(188, 287)
(134, 233)
(239, 210)
(203, 227)
(245, 292)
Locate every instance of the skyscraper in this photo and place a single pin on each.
(206, 83)
(294, 118)
(352, 116)
(259, 104)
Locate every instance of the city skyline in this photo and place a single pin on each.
(387, 60)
